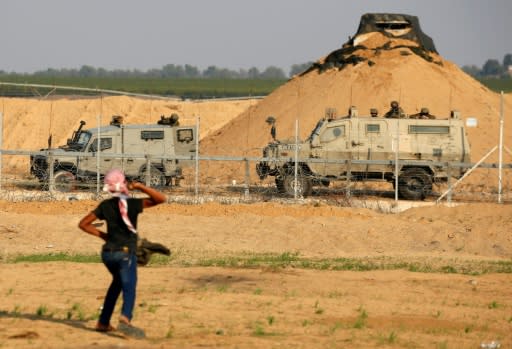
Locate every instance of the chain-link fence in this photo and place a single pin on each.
(240, 181)
(75, 170)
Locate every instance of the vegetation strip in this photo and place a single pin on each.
(293, 260)
(182, 87)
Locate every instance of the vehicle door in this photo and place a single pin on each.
(184, 143)
(433, 140)
(371, 142)
(141, 143)
(332, 144)
(107, 156)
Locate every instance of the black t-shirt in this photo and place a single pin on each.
(118, 233)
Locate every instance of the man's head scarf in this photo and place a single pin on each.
(115, 183)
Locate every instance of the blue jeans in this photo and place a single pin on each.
(123, 267)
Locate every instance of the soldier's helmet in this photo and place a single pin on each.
(394, 104)
(270, 120)
(424, 111)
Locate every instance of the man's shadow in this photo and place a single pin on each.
(78, 324)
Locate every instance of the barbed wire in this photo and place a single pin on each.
(233, 178)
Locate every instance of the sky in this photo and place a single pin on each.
(234, 34)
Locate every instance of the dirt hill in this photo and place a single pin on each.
(376, 69)
(28, 122)
(368, 71)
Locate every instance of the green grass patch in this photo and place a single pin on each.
(285, 260)
(183, 87)
(55, 257)
(493, 305)
(42, 310)
(259, 331)
(361, 319)
(277, 262)
(498, 85)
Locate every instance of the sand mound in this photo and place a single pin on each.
(369, 71)
(401, 71)
(28, 122)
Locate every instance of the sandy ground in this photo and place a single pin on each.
(444, 279)
(55, 304)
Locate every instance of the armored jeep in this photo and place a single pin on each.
(341, 149)
(147, 153)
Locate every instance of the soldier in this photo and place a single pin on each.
(374, 112)
(423, 114)
(175, 119)
(395, 112)
(352, 112)
(272, 122)
(172, 120)
(117, 120)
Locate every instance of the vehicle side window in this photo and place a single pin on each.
(106, 143)
(429, 129)
(147, 135)
(372, 128)
(185, 135)
(332, 133)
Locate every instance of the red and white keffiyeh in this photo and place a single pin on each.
(115, 183)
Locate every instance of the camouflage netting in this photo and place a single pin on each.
(396, 32)
(396, 26)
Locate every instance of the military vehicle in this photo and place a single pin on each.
(338, 147)
(141, 151)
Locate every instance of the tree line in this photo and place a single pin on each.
(492, 68)
(170, 71)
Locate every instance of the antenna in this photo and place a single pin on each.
(450, 98)
(50, 126)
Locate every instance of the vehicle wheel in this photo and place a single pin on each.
(415, 184)
(156, 177)
(303, 184)
(64, 181)
(325, 183)
(280, 185)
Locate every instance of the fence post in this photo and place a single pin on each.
(397, 156)
(448, 172)
(148, 170)
(1, 145)
(296, 167)
(500, 152)
(247, 178)
(349, 175)
(196, 182)
(98, 151)
(51, 179)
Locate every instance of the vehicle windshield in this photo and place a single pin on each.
(82, 141)
(316, 130)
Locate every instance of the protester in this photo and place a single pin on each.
(119, 251)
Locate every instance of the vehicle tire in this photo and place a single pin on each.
(280, 184)
(415, 184)
(304, 185)
(325, 183)
(64, 181)
(156, 177)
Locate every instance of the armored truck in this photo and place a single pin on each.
(363, 148)
(147, 153)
